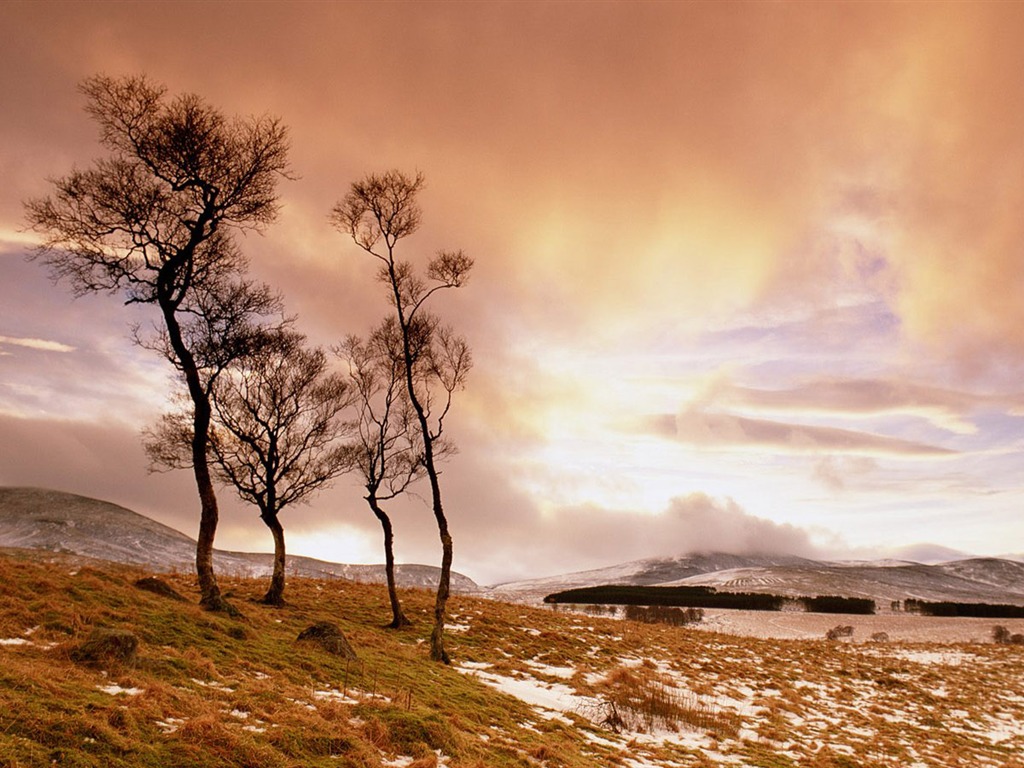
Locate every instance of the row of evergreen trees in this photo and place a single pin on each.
(707, 597)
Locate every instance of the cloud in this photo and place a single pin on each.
(40, 344)
(703, 524)
(829, 395)
(926, 553)
(505, 531)
(774, 143)
(73, 358)
(104, 461)
(836, 472)
(928, 174)
(577, 538)
(500, 533)
(724, 430)
(17, 237)
(835, 188)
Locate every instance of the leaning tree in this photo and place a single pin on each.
(387, 450)
(152, 221)
(277, 436)
(377, 213)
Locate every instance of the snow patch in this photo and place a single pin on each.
(402, 761)
(551, 671)
(213, 684)
(549, 700)
(333, 694)
(115, 690)
(169, 725)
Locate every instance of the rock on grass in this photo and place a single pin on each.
(107, 646)
(159, 587)
(329, 637)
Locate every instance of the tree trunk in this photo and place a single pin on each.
(398, 617)
(275, 595)
(209, 591)
(437, 651)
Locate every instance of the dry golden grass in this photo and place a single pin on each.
(210, 690)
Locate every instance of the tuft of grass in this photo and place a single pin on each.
(641, 699)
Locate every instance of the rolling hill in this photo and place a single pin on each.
(37, 518)
(63, 522)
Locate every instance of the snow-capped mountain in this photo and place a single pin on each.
(989, 580)
(37, 518)
(648, 572)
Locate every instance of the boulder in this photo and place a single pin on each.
(159, 587)
(329, 637)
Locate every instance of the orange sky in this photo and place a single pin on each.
(741, 267)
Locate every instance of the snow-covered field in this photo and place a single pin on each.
(798, 625)
(898, 627)
(938, 693)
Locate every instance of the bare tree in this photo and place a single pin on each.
(377, 213)
(276, 436)
(279, 426)
(151, 221)
(388, 450)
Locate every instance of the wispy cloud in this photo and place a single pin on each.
(945, 408)
(40, 344)
(726, 430)
(18, 237)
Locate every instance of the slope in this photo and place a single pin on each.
(56, 521)
(532, 689)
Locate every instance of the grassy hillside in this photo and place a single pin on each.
(209, 690)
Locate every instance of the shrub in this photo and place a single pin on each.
(639, 700)
(839, 631)
(159, 587)
(1001, 636)
(660, 614)
(107, 646)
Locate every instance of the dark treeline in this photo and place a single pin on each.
(972, 610)
(834, 604)
(708, 597)
(663, 614)
(686, 597)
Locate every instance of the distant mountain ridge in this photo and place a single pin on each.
(987, 580)
(38, 518)
(56, 521)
